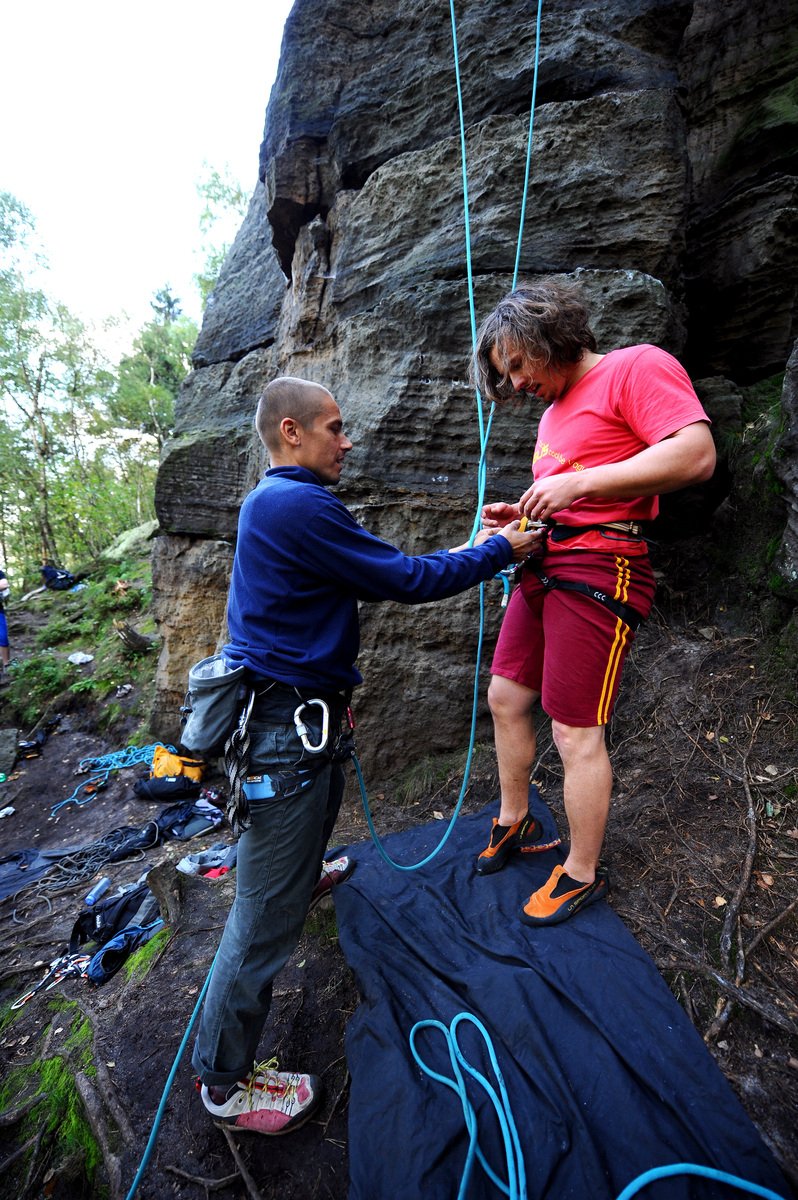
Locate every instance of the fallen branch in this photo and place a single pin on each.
(32, 1164)
(733, 907)
(683, 960)
(771, 925)
(768, 1011)
(249, 1182)
(23, 1149)
(731, 921)
(210, 1185)
(107, 1084)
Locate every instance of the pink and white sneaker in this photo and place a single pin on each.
(333, 872)
(268, 1101)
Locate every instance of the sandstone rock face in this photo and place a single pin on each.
(660, 178)
(737, 64)
(190, 580)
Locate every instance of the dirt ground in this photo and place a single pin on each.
(703, 852)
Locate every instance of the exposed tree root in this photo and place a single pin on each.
(210, 1185)
(99, 1127)
(249, 1182)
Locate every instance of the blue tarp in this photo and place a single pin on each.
(606, 1076)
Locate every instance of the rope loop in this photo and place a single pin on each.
(515, 1187)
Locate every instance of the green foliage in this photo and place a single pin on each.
(85, 621)
(35, 682)
(427, 777)
(59, 629)
(16, 222)
(762, 400)
(150, 377)
(80, 438)
(165, 306)
(225, 208)
(775, 116)
(322, 923)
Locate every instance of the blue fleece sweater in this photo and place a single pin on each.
(302, 563)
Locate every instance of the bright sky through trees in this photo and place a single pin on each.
(108, 112)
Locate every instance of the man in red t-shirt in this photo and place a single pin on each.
(620, 428)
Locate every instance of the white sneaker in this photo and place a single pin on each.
(268, 1101)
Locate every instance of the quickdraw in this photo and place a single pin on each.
(68, 966)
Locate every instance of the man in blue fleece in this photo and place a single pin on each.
(302, 563)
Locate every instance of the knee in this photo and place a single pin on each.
(575, 743)
(509, 701)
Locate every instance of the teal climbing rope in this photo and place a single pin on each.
(156, 1125)
(484, 436)
(458, 806)
(529, 146)
(734, 1181)
(515, 1187)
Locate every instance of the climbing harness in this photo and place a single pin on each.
(245, 787)
(624, 612)
(628, 530)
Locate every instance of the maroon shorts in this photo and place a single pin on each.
(568, 647)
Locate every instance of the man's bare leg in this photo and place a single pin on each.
(586, 794)
(511, 708)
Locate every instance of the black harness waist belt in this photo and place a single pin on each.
(628, 530)
(630, 616)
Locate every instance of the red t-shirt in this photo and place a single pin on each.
(631, 399)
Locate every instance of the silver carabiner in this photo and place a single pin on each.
(302, 728)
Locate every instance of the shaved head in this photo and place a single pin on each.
(288, 397)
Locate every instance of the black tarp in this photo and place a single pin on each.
(606, 1076)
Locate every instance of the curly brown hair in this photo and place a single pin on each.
(546, 320)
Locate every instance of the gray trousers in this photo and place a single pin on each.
(279, 861)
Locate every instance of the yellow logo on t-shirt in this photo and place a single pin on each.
(544, 450)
